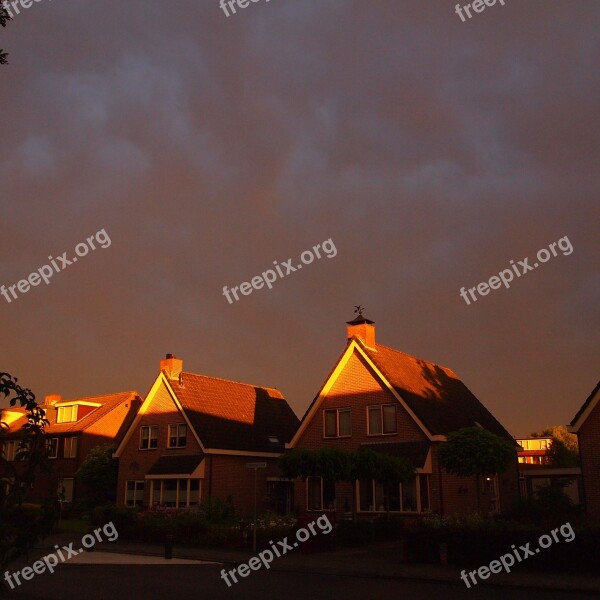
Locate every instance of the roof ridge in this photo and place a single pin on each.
(130, 392)
(233, 381)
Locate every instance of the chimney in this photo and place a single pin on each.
(362, 328)
(172, 366)
(52, 399)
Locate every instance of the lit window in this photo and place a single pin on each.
(337, 422)
(67, 414)
(148, 437)
(177, 435)
(382, 419)
(70, 447)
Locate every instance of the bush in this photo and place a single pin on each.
(124, 519)
(388, 528)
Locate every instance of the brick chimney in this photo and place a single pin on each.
(362, 328)
(172, 366)
(52, 399)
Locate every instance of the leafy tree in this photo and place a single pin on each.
(98, 472)
(473, 451)
(20, 528)
(4, 18)
(564, 450)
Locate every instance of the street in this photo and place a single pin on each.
(127, 582)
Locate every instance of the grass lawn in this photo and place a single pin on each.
(72, 526)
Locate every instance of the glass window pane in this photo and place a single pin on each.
(379, 497)
(169, 495)
(345, 422)
(181, 435)
(314, 493)
(409, 495)
(330, 423)
(393, 497)
(424, 489)
(375, 419)
(389, 419)
(365, 488)
(328, 494)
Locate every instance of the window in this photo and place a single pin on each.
(70, 447)
(381, 419)
(177, 436)
(134, 493)
(409, 496)
(10, 449)
(148, 437)
(337, 422)
(67, 414)
(320, 493)
(175, 493)
(65, 490)
(52, 447)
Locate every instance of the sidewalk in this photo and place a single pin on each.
(377, 561)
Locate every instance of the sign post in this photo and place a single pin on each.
(255, 466)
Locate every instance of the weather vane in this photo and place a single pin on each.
(358, 310)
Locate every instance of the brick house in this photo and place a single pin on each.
(193, 438)
(586, 424)
(380, 398)
(76, 426)
(535, 472)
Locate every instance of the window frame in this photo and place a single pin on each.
(344, 409)
(177, 436)
(381, 412)
(52, 442)
(421, 483)
(152, 429)
(136, 491)
(321, 506)
(70, 442)
(74, 410)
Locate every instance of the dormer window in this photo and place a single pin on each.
(67, 414)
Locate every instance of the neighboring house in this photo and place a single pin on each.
(535, 472)
(76, 426)
(380, 398)
(193, 438)
(586, 424)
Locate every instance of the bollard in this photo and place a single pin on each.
(168, 546)
(444, 553)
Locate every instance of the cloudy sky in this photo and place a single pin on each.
(431, 151)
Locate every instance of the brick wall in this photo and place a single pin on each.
(135, 463)
(589, 451)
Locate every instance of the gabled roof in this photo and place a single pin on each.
(585, 410)
(433, 395)
(107, 403)
(230, 415)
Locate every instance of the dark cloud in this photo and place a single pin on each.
(431, 151)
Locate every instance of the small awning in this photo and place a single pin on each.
(177, 464)
(413, 452)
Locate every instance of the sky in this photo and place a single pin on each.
(429, 151)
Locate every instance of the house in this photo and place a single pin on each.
(536, 473)
(75, 427)
(586, 424)
(194, 437)
(383, 399)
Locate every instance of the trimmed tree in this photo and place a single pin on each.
(473, 451)
(99, 472)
